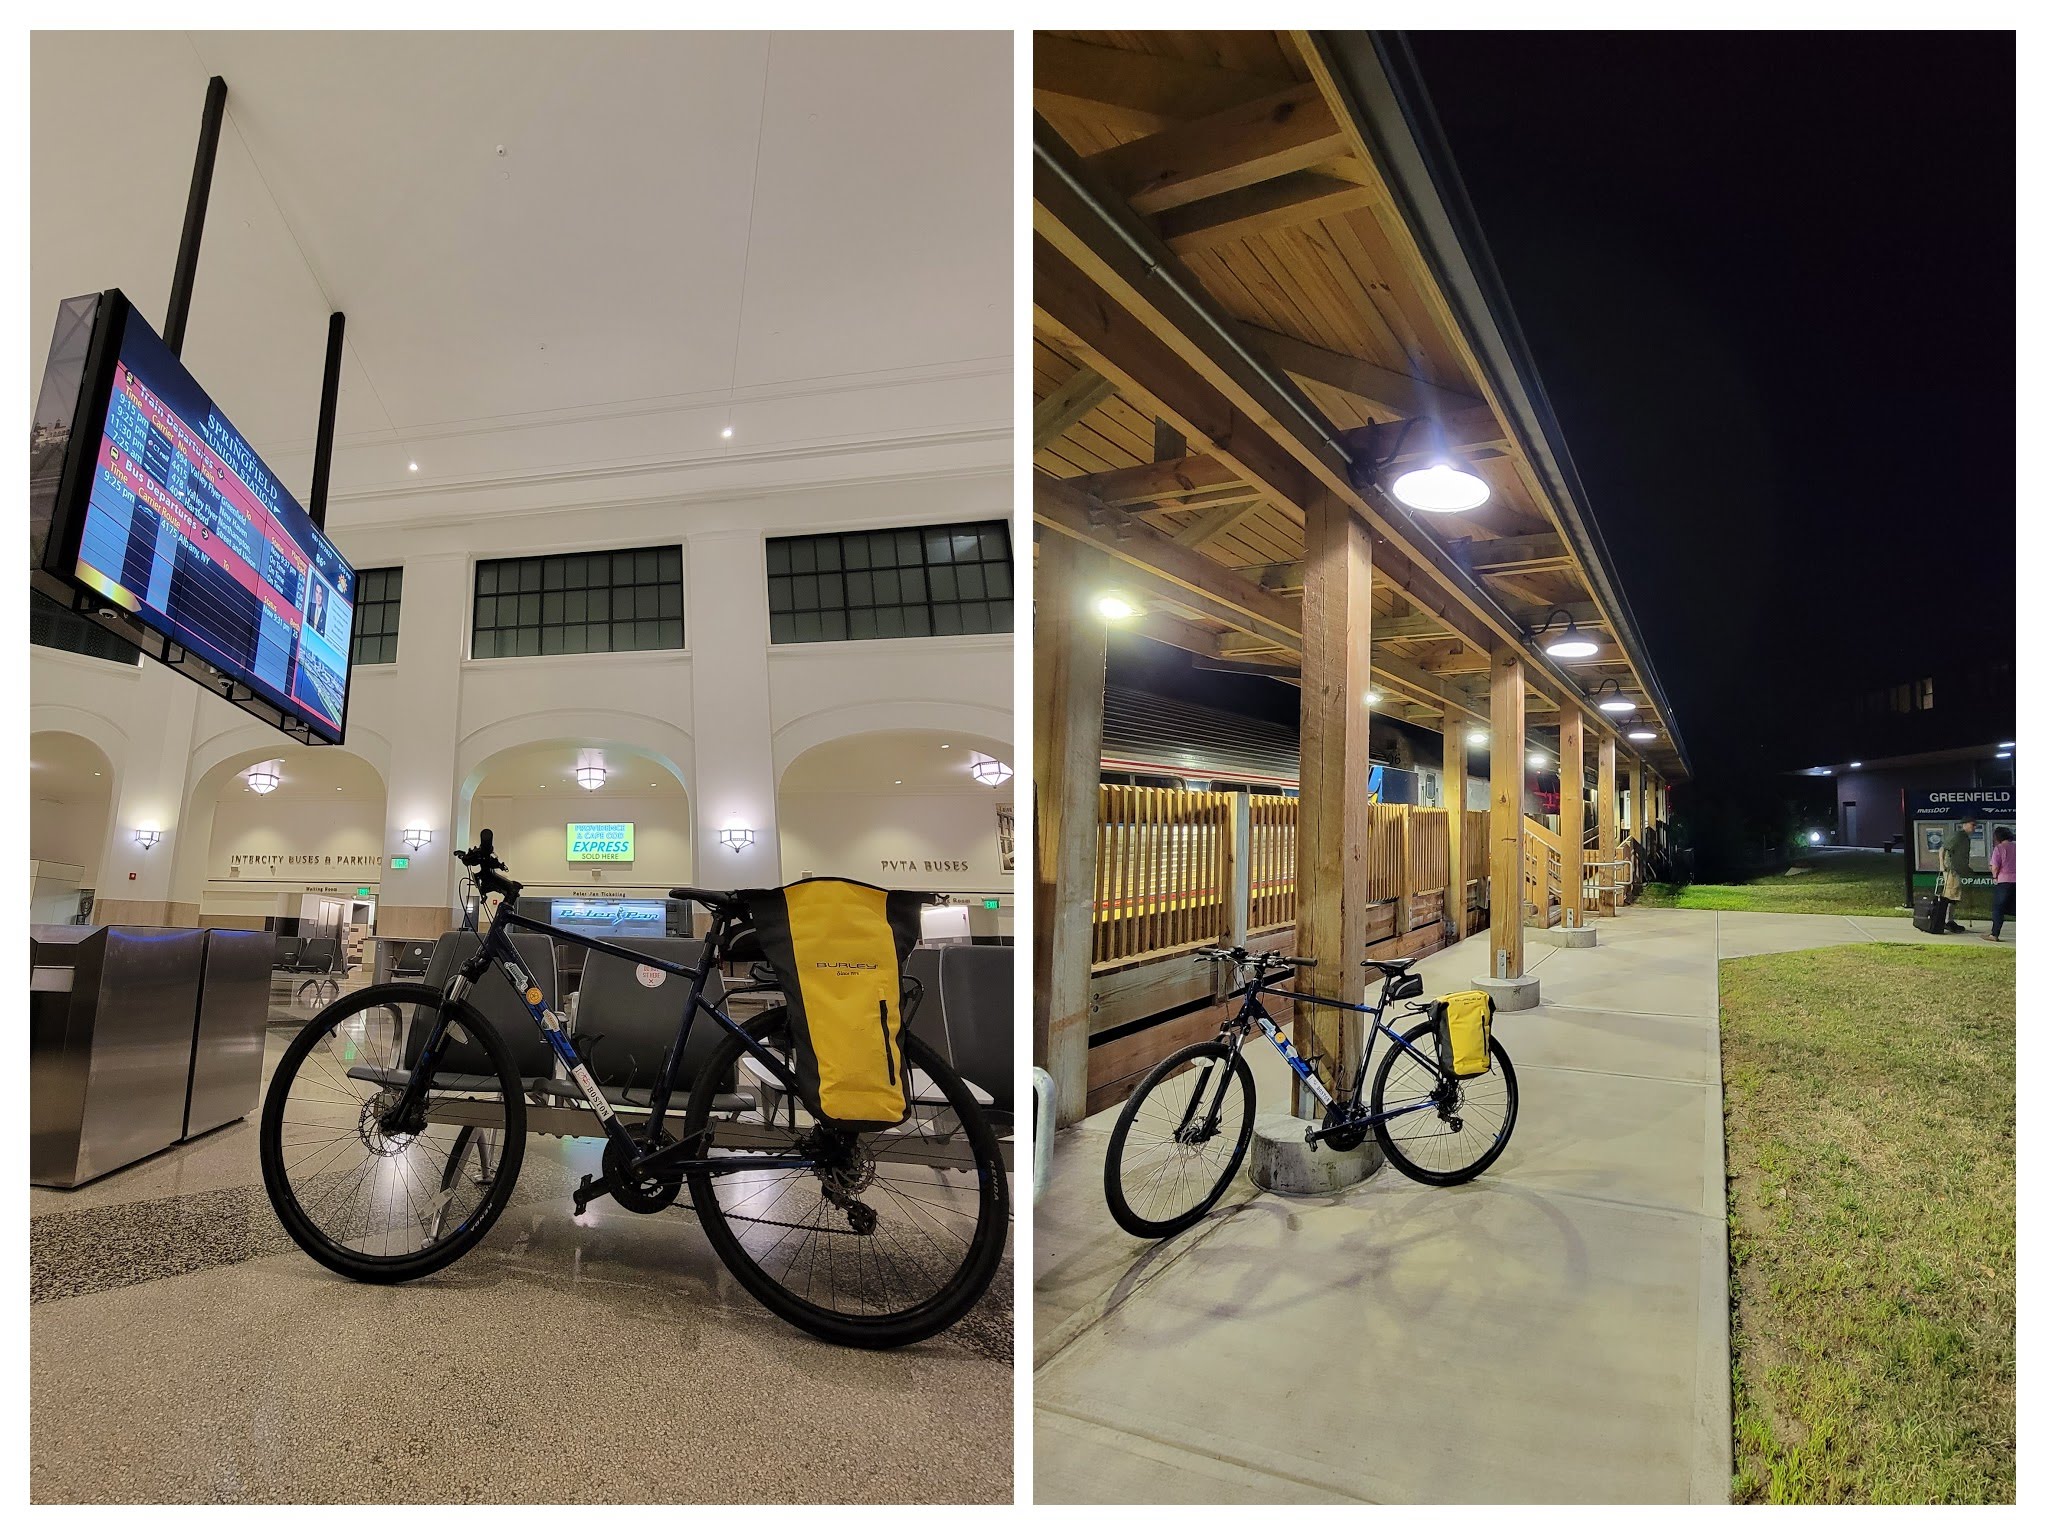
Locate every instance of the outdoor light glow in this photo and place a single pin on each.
(1641, 733)
(2002, 756)
(1854, 764)
(1537, 759)
(2007, 745)
(1372, 698)
(1573, 644)
(262, 778)
(1476, 738)
(1817, 837)
(1115, 607)
(1441, 487)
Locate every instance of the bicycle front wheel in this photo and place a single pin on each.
(1179, 1140)
(890, 1237)
(1441, 1130)
(375, 1200)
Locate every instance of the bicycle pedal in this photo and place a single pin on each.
(588, 1190)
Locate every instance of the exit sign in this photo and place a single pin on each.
(401, 862)
(362, 892)
(990, 904)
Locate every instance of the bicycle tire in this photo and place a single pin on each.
(278, 1164)
(890, 1329)
(1113, 1180)
(1423, 1040)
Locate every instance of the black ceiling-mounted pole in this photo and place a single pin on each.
(195, 217)
(330, 397)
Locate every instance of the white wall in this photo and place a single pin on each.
(924, 841)
(73, 833)
(531, 836)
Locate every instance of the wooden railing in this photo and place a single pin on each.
(1541, 874)
(1274, 843)
(1161, 872)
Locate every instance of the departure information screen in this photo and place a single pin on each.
(187, 528)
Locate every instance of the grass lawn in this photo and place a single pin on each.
(1872, 1206)
(1849, 884)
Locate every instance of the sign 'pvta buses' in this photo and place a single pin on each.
(600, 842)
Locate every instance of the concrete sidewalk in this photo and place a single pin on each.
(1554, 1331)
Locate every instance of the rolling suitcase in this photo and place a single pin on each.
(1929, 911)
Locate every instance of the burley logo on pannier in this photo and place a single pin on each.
(838, 946)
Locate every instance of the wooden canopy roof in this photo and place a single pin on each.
(1247, 252)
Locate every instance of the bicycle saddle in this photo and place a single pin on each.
(716, 900)
(1390, 966)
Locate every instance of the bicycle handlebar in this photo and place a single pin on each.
(489, 868)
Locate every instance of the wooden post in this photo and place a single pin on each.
(1509, 794)
(1455, 899)
(1238, 866)
(1637, 810)
(1072, 660)
(1608, 802)
(1335, 781)
(1571, 756)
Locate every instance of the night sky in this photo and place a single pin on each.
(1768, 282)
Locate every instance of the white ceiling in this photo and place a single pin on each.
(600, 260)
(67, 769)
(549, 767)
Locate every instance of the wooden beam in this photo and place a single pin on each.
(1522, 554)
(1202, 580)
(1455, 791)
(1066, 405)
(1213, 524)
(1506, 941)
(1570, 764)
(1170, 629)
(1168, 479)
(1289, 130)
(1300, 197)
(1399, 393)
(1608, 799)
(1145, 369)
(1128, 89)
(1071, 671)
(1335, 797)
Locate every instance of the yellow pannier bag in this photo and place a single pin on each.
(837, 947)
(1464, 1040)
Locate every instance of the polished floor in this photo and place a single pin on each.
(181, 1350)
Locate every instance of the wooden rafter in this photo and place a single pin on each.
(1393, 392)
(1058, 412)
(1141, 92)
(1300, 197)
(1290, 130)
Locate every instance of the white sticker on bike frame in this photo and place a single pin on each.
(648, 976)
(588, 1084)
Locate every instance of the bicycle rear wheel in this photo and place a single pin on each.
(385, 1203)
(1179, 1140)
(890, 1238)
(1452, 1130)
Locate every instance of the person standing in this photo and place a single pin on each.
(2003, 871)
(1953, 867)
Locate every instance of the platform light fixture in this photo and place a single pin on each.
(2003, 756)
(989, 771)
(148, 836)
(1854, 764)
(1537, 759)
(1475, 737)
(1374, 698)
(1443, 481)
(2006, 746)
(1117, 607)
(262, 777)
(1614, 702)
(1573, 644)
(1641, 733)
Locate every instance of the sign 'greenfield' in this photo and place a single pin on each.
(600, 842)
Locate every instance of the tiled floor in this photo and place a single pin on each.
(182, 1351)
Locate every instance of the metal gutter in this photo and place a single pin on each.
(1381, 83)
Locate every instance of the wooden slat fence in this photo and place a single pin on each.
(1161, 882)
(1274, 845)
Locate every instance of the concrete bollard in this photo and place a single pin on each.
(1512, 996)
(1565, 937)
(1281, 1161)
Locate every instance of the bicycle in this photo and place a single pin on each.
(389, 1148)
(1170, 1157)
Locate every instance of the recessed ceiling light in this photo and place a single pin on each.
(944, 746)
(898, 780)
(1854, 764)
(727, 432)
(413, 467)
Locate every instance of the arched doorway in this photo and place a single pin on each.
(907, 809)
(71, 804)
(540, 800)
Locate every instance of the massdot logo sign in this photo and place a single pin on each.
(600, 842)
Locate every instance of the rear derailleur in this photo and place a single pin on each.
(846, 1170)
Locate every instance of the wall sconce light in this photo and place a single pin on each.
(1614, 702)
(148, 836)
(1117, 607)
(988, 771)
(1573, 644)
(262, 777)
(736, 836)
(415, 837)
(590, 777)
